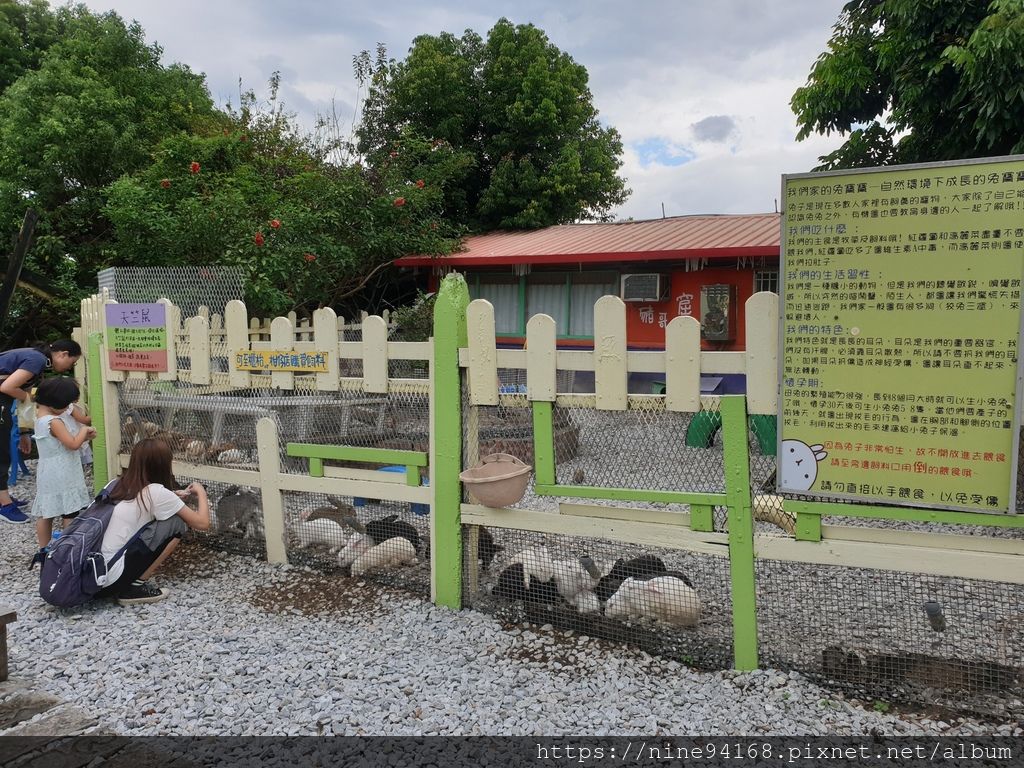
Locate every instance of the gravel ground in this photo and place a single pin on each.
(243, 647)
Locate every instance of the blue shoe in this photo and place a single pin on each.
(18, 502)
(9, 513)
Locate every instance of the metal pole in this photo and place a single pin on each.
(17, 259)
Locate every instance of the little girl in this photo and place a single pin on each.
(60, 481)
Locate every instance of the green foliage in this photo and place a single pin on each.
(92, 110)
(306, 233)
(27, 30)
(100, 138)
(918, 81)
(415, 321)
(523, 145)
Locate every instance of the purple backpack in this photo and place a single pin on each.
(74, 569)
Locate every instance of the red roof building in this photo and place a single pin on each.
(705, 266)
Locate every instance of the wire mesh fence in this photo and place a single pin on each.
(220, 430)
(912, 638)
(865, 631)
(187, 287)
(666, 602)
(387, 542)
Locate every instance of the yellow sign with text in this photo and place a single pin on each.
(899, 334)
(281, 361)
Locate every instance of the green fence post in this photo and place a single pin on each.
(808, 526)
(100, 470)
(543, 444)
(446, 389)
(702, 517)
(741, 531)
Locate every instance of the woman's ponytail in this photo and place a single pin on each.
(73, 348)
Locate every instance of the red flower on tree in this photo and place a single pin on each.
(165, 183)
(275, 224)
(420, 184)
(194, 167)
(309, 257)
(258, 239)
(399, 202)
(392, 154)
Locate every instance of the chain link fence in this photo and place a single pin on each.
(878, 635)
(665, 601)
(187, 287)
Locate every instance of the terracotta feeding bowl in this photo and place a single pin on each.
(499, 480)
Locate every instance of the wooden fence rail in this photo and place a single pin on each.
(203, 355)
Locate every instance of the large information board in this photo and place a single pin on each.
(899, 334)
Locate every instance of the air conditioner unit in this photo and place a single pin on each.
(649, 286)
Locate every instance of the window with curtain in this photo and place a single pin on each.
(572, 308)
(546, 294)
(586, 289)
(503, 293)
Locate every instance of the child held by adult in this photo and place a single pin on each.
(60, 481)
(20, 370)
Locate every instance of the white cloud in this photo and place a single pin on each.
(657, 68)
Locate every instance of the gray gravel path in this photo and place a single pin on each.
(243, 647)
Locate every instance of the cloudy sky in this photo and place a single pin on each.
(699, 90)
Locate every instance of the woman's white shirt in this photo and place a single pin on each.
(154, 502)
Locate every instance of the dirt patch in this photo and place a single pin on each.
(310, 593)
(193, 560)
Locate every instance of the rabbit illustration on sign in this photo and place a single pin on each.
(800, 464)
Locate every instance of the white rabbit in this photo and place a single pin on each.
(357, 545)
(574, 577)
(667, 599)
(627, 601)
(396, 551)
(232, 456)
(586, 602)
(672, 601)
(537, 563)
(321, 531)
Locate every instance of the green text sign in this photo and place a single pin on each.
(899, 333)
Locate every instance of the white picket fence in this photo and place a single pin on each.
(681, 363)
(200, 340)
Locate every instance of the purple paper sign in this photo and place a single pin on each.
(136, 337)
(135, 315)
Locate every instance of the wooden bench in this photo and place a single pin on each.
(7, 616)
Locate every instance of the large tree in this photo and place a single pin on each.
(525, 145)
(305, 234)
(91, 109)
(913, 81)
(27, 30)
(260, 195)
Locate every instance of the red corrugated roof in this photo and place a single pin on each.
(680, 237)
